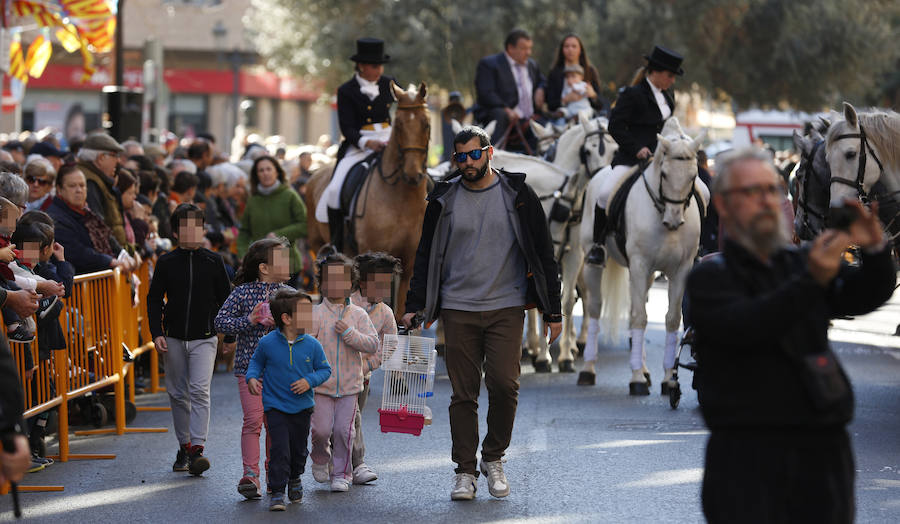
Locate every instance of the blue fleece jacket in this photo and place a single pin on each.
(280, 363)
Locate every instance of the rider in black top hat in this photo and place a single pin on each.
(363, 105)
(635, 120)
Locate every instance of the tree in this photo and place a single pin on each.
(758, 52)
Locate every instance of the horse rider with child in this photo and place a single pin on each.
(363, 105)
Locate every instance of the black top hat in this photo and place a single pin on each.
(370, 51)
(666, 59)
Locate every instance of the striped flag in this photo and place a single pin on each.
(17, 61)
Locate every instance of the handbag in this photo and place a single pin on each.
(825, 381)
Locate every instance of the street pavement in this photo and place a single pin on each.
(578, 454)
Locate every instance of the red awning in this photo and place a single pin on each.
(263, 84)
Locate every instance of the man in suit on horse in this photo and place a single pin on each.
(363, 104)
(509, 86)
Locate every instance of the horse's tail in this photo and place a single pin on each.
(616, 303)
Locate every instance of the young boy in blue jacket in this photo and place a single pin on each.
(290, 364)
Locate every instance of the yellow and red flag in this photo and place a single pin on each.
(38, 55)
(17, 67)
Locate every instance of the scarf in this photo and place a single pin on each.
(370, 89)
(266, 191)
(98, 231)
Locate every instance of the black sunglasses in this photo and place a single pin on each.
(474, 154)
(41, 181)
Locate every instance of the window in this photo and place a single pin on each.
(188, 114)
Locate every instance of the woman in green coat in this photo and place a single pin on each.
(273, 210)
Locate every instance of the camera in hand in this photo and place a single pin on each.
(842, 217)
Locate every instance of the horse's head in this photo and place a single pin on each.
(598, 147)
(546, 135)
(853, 167)
(411, 132)
(675, 161)
(813, 176)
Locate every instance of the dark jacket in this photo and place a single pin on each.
(195, 285)
(70, 231)
(556, 80)
(495, 84)
(753, 323)
(536, 244)
(104, 199)
(635, 121)
(12, 399)
(50, 334)
(355, 110)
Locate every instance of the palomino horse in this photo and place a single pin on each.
(392, 200)
(662, 221)
(861, 150)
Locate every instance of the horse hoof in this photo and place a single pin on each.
(647, 377)
(664, 388)
(586, 378)
(638, 389)
(542, 366)
(566, 366)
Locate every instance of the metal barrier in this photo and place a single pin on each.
(100, 320)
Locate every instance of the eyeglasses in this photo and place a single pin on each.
(474, 154)
(758, 191)
(41, 181)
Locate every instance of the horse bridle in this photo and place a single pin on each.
(583, 153)
(805, 175)
(394, 176)
(660, 202)
(864, 150)
(559, 196)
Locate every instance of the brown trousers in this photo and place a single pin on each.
(492, 340)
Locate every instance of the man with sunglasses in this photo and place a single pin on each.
(778, 449)
(485, 253)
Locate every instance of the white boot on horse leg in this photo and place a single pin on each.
(640, 376)
(669, 362)
(588, 376)
(536, 342)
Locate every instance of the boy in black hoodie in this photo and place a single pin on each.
(195, 284)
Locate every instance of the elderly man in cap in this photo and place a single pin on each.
(98, 160)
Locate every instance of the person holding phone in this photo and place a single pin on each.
(778, 449)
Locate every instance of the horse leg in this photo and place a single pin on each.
(592, 304)
(677, 283)
(537, 342)
(640, 286)
(582, 291)
(571, 268)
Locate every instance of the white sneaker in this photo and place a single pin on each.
(340, 484)
(321, 472)
(464, 487)
(497, 483)
(363, 474)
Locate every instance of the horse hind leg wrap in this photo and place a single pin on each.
(637, 349)
(671, 345)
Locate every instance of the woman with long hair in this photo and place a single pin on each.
(571, 52)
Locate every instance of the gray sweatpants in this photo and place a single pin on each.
(189, 370)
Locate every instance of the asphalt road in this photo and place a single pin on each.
(578, 454)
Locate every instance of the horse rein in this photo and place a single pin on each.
(804, 176)
(864, 150)
(583, 153)
(395, 177)
(660, 202)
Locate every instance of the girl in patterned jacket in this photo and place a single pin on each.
(263, 272)
(346, 334)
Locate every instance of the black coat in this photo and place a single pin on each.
(12, 401)
(355, 110)
(747, 317)
(635, 121)
(195, 285)
(495, 85)
(556, 80)
(50, 334)
(70, 232)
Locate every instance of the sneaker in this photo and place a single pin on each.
(340, 484)
(464, 487)
(198, 463)
(497, 483)
(36, 466)
(597, 255)
(363, 474)
(43, 460)
(276, 503)
(295, 490)
(49, 307)
(321, 472)
(248, 486)
(181, 460)
(21, 334)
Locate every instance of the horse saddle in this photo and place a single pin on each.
(616, 211)
(354, 181)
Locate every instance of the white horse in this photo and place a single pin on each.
(583, 149)
(662, 221)
(861, 150)
(547, 136)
